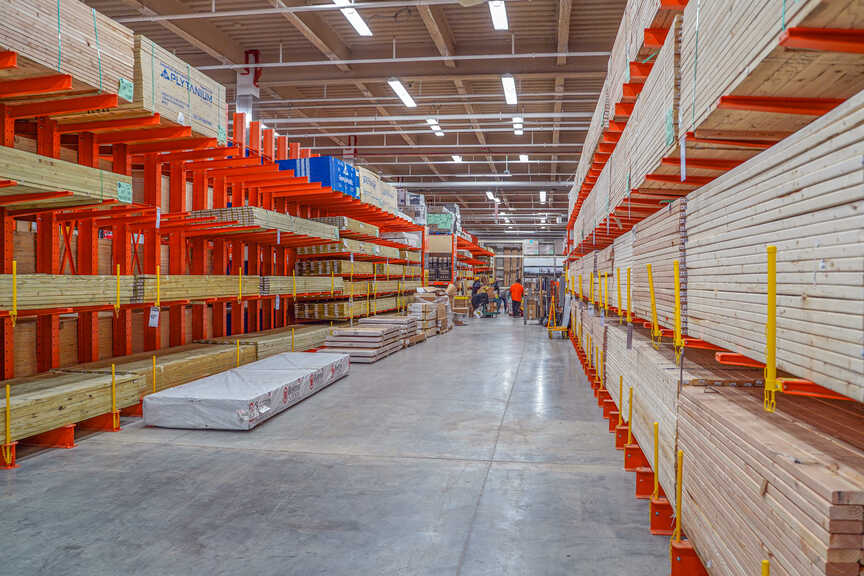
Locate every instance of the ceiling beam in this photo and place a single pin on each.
(565, 8)
(313, 28)
(436, 23)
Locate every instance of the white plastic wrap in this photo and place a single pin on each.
(243, 397)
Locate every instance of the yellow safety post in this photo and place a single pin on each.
(117, 293)
(766, 568)
(14, 314)
(115, 414)
(629, 315)
(602, 373)
(240, 282)
(294, 285)
(620, 399)
(580, 287)
(7, 447)
(656, 334)
(772, 385)
(656, 493)
(332, 283)
(292, 339)
(618, 301)
(158, 287)
(153, 374)
(676, 535)
(603, 285)
(630, 417)
(237, 359)
(678, 343)
(591, 287)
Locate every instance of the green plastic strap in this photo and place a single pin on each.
(59, 39)
(98, 46)
(651, 57)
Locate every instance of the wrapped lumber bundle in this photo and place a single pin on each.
(618, 72)
(804, 197)
(365, 343)
(336, 267)
(623, 260)
(343, 309)
(267, 343)
(174, 366)
(659, 241)
(756, 64)
(193, 287)
(592, 137)
(36, 174)
(54, 399)
(357, 288)
(345, 224)
(411, 239)
(787, 486)
(410, 255)
(35, 291)
(301, 285)
(268, 220)
(179, 93)
(411, 271)
(73, 39)
(386, 269)
(620, 363)
(348, 246)
(647, 14)
(605, 266)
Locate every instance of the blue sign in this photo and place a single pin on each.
(328, 171)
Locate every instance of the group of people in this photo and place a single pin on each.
(482, 293)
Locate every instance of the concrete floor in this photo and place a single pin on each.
(479, 452)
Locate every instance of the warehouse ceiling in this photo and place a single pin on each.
(329, 84)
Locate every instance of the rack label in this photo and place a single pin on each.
(153, 320)
(125, 89)
(124, 192)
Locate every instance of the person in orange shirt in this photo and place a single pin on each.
(516, 292)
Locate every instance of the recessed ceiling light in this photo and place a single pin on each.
(489, 195)
(542, 196)
(518, 119)
(439, 133)
(432, 121)
(523, 158)
(509, 85)
(518, 132)
(402, 93)
(354, 18)
(456, 158)
(499, 14)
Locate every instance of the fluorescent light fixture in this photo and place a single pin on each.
(523, 158)
(432, 121)
(507, 220)
(542, 196)
(518, 132)
(489, 195)
(497, 200)
(402, 93)
(518, 119)
(354, 18)
(499, 14)
(439, 133)
(509, 84)
(456, 158)
(517, 126)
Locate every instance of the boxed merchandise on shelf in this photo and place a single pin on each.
(328, 171)
(345, 224)
(375, 191)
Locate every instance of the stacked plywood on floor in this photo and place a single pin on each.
(338, 267)
(67, 37)
(301, 285)
(407, 326)
(268, 220)
(271, 342)
(365, 344)
(348, 246)
(35, 176)
(787, 486)
(659, 241)
(804, 197)
(51, 400)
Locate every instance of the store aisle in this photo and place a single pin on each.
(479, 452)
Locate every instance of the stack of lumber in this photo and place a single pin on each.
(426, 314)
(345, 224)
(36, 174)
(407, 325)
(606, 272)
(348, 246)
(592, 137)
(647, 14)
(277, 341)
(659, 241)
(620, 362)
(623, 260)
(365, 344)
(90, 47)
(386, 269)
(193, 287)
(756, 65)
(787, 486)
(174, 366)
(804, 197)
(268, 220)
(51, 400)
(410, 255)
(337, 267)
(357, 288)
(39, 291)
(301, 285)
(343, 309)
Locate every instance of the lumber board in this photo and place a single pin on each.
(37, 174)
(269, 220)
(297, 338)
(339, 267)
(343, 310)
(66, 37)
(349, 246)
(301, 285)
(193, 287)
(40, 291)
(345, 224)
